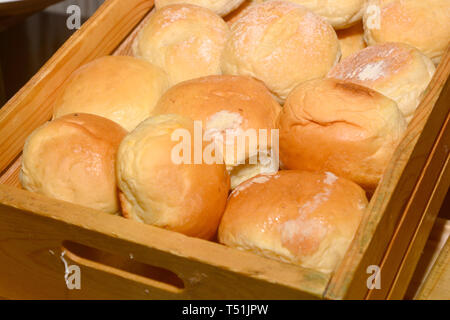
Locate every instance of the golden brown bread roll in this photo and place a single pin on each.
(307, 218)
(157, 189)
(424, 24)
(281, 44)
(229, 105)
(339, 13)
(72, 159)
(184, 40)
(351, 40)
(331, 125)
(397, 70)
(220, 7)
(122, 89)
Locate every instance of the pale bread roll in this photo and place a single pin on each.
(351, 40)
(339, 13)
(397, 70)
(220, 7)
(72, 159)
(424, 24)
(184, 40)
(331, 125)
(157, 189)
(307, 218)
(281, 44)
(122, 89)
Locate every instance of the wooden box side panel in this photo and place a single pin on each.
(33, 229)
(389, 202)
(437, 283)
(434, 246)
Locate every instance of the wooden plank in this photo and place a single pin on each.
(31, 225)
(396, 187)
(433, 183)
(436, 241)
(10, 176)
(437, 285)
(32, 105)
(411, 257)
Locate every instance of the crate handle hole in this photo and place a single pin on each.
(128, 264)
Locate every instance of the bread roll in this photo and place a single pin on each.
(307, 218)
(233, 16)
(72, 159)
(282, 44)
(339, 13)
(351, 40)
(397, 70)
(122, 89)
(220, 7)
(184, 40)
(230, 105)
(331, 125)
(424, 24)
(157, 189)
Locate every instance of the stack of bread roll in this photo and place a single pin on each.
(164, 136)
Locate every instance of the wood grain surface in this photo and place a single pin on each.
(33, 229)
(434, 245)
(437, 284)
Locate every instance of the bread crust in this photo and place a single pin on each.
(72, 158)
(337, 126)
(281, 44)
(306, 218)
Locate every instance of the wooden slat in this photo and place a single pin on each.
(396, 187)
(436, 241)
(433, 182)
(11, 175)
(23, 7)
(412, 256)
(32, 105)
(437, 285)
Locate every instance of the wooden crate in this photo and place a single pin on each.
(124, 259)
